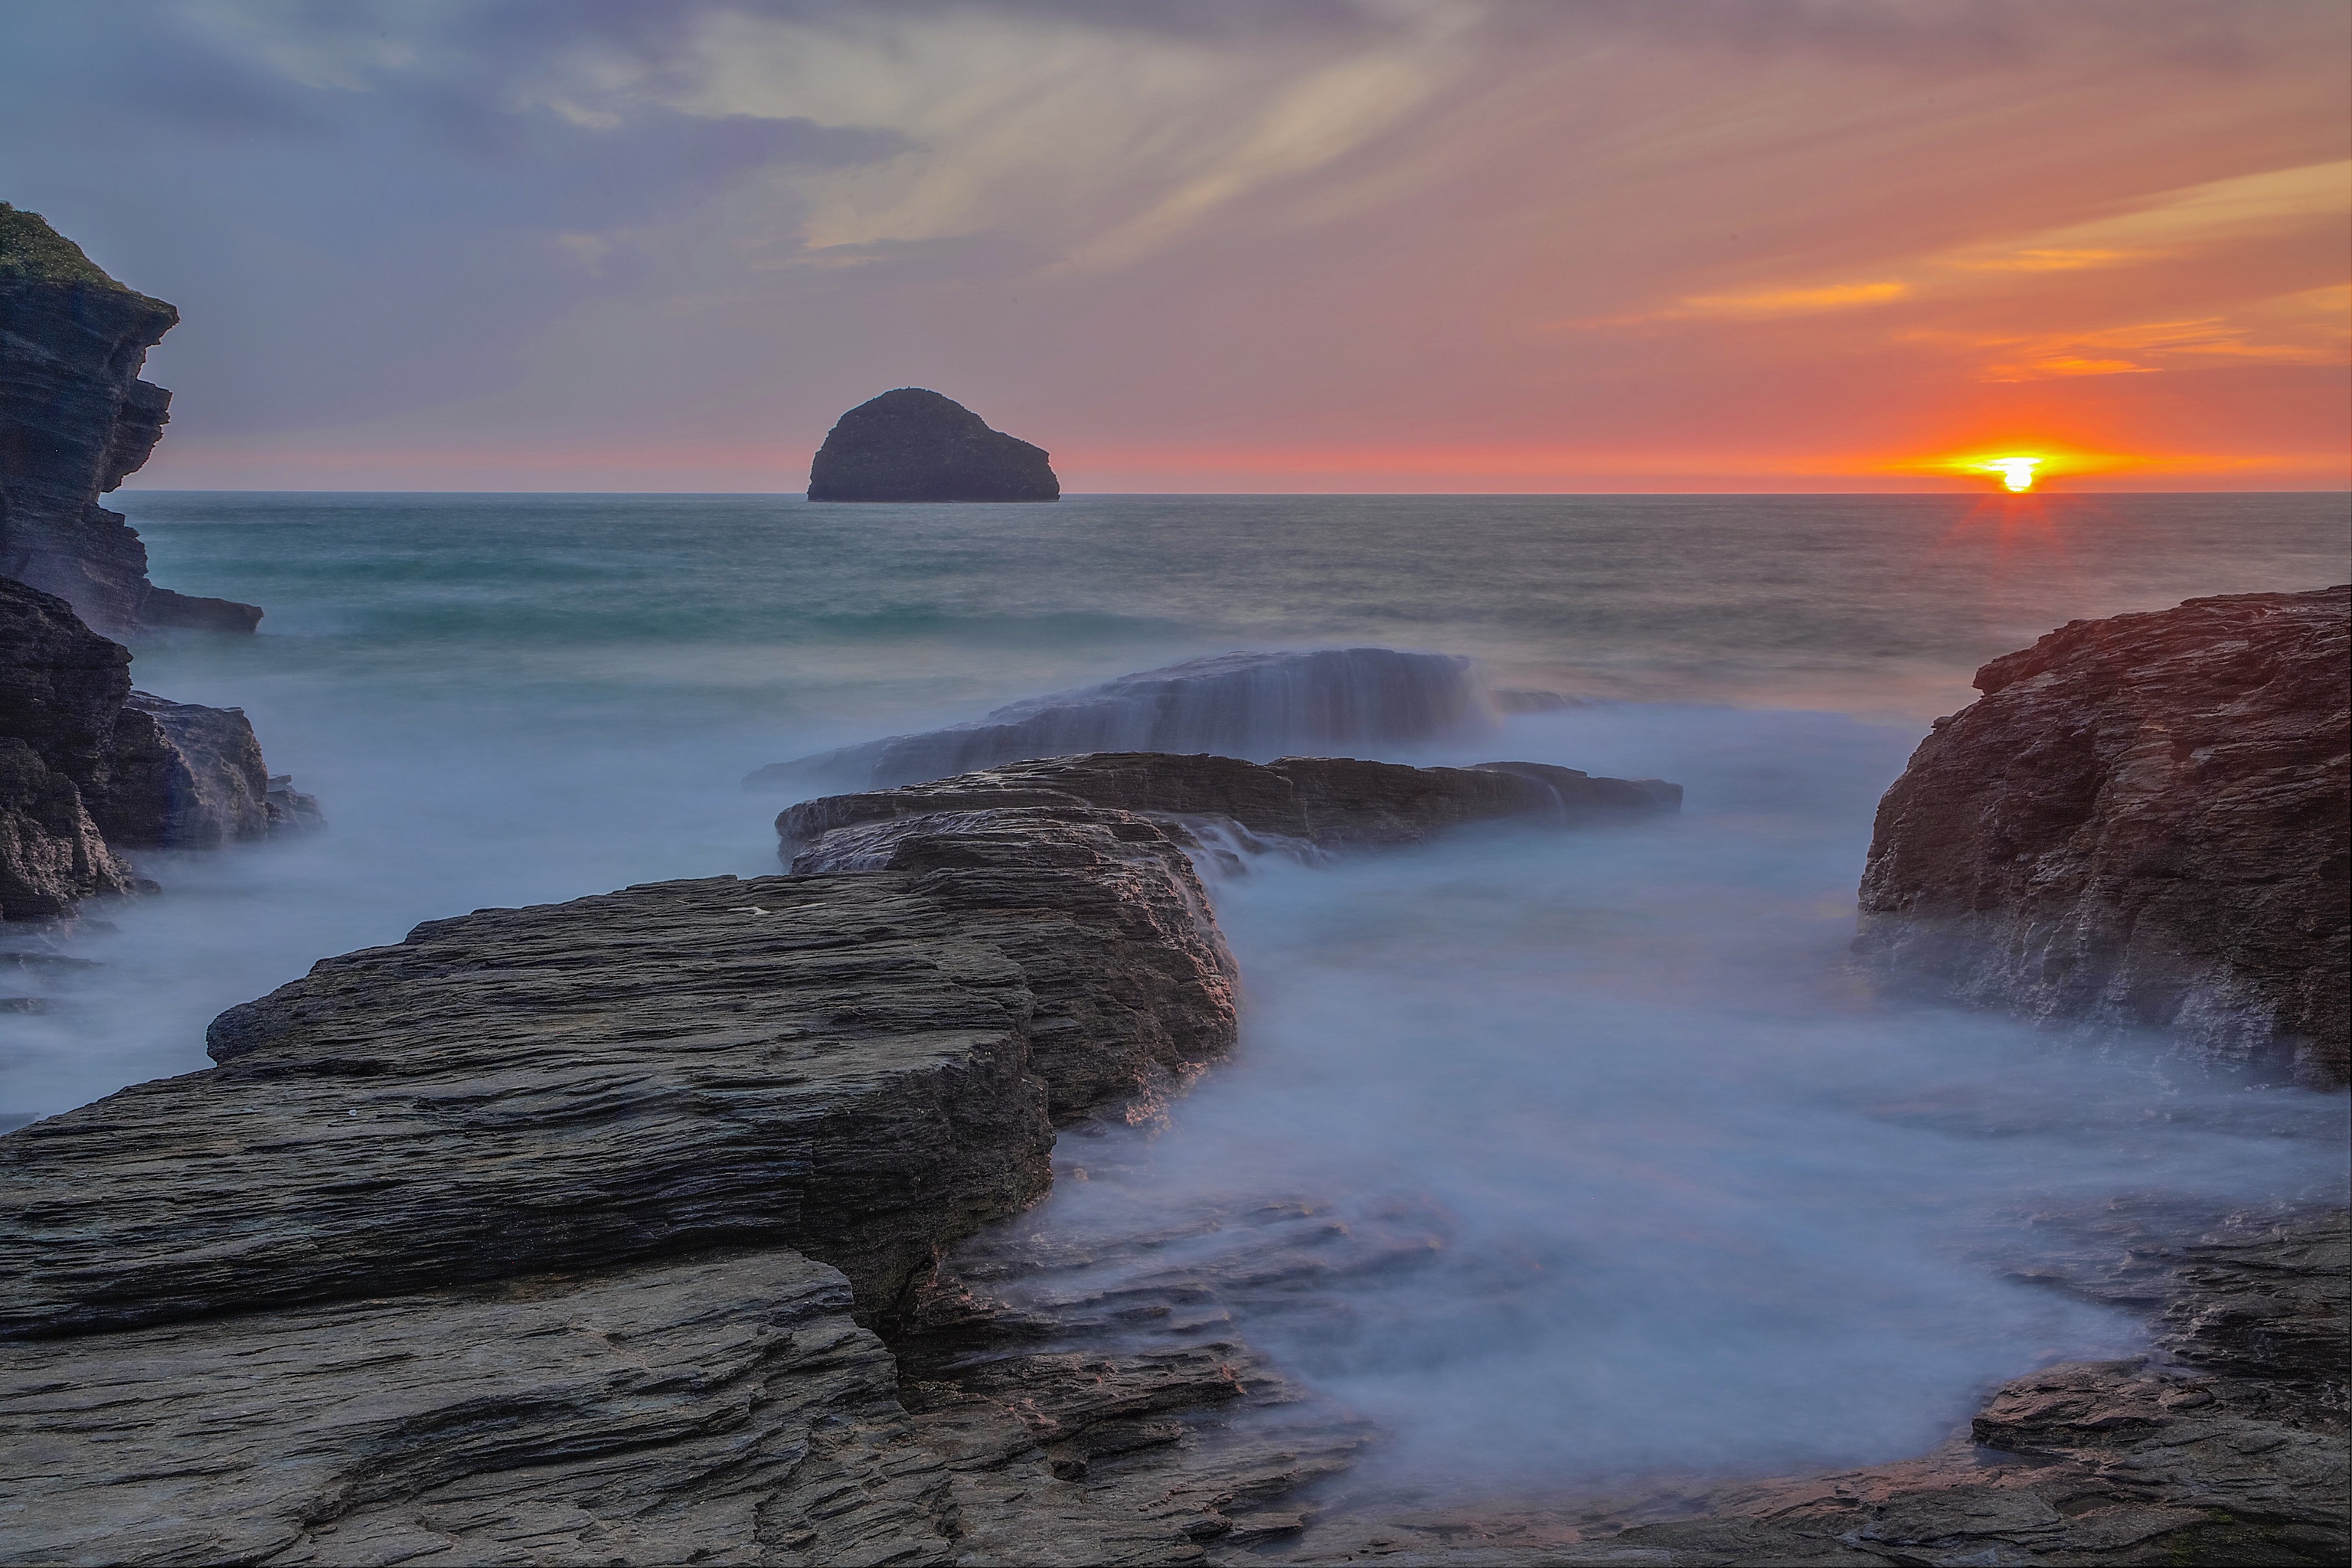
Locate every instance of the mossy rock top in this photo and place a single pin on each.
(33, 252)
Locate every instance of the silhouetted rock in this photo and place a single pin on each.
(75, 421)
(916, 446)
(90, 767)
(1328, 701)
(1327, 803)
(2144, 822)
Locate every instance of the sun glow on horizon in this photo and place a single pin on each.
(2016, 473)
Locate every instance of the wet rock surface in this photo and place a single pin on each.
(1324, 803)
(1255, 705)
(913, 445)
(75, 421)
(2142, 823)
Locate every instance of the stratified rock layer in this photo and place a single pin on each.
(1330, 702)
(858, 1067)
(912, 444)
(2142, 823)
(1327, 803)
(75, 421)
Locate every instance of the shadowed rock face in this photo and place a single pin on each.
(1326, 702)
(916, 446)
(90, 767)
(2142, 823)
(75, 421)
(62, 685)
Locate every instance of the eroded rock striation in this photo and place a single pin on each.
(75, 421)
(1254, 705)
(89, 768)
(2142, 823)
(913, 445)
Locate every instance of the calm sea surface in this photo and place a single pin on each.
(1690, 1198)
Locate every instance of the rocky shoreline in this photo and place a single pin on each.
(653, 1226)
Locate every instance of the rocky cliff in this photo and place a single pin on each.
(75, 421)
(2142, 823)
(916, 446)
(89, 768)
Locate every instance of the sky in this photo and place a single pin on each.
(1218, 244)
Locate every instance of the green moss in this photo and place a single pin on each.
(30, 248)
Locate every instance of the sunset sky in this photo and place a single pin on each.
(1218, 244)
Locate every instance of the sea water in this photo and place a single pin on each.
(1689, 1196)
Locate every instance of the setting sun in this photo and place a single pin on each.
(2017, 473)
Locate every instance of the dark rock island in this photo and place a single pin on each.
(75, 421)
(916, 446)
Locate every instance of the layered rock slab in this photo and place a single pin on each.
(75, 421)
(724, 1409)
(914, 445)
(2142, 823)
(859, 1066)
(1324, 803)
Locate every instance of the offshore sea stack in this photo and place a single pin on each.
(90, 767)
(75, 421)
(1331, 701)
(911, 444)
(2142, 823)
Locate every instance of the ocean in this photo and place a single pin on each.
(1658, 1184)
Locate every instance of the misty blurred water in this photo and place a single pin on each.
(1699, 1201)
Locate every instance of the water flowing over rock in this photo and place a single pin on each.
(2145, 822)
(75, 421)
(89, 768)
(912, 444)
(1328, 701)
(1322, 803)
